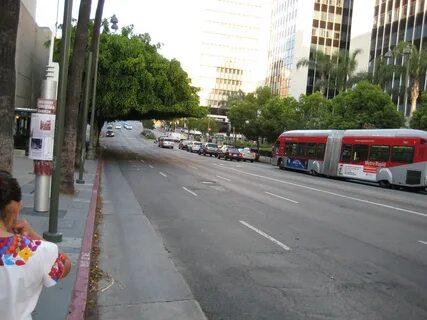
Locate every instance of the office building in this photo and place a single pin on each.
(398, 21)
(233, 51)
(298, 28)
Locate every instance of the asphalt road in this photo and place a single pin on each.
(255, 242)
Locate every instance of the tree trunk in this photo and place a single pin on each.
(95, 51)
(74, 90)
(415, 92)
(9, 18)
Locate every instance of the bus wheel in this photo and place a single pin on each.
(314, 173)
(385, 184)
(279, 164)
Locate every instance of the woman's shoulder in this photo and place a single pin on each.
(19, 250)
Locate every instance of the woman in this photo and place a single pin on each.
(27, 262)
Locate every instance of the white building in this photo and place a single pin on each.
(233, 50)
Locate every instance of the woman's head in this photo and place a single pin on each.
(10, 198)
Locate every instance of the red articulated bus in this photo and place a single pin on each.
(386, 156)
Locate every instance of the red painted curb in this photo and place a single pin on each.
(77, 307)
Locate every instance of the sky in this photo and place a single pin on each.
(170, 22)
(174, 23)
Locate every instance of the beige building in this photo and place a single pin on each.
(31, 58)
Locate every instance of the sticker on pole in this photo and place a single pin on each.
(41, 136)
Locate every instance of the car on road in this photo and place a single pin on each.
(209, 148)
(229, 153)
(166, 142)
(127, 126)
(118, 126)
(194, 146)
(109, 126)
(247, 154)
(110, 133)
(183, 145)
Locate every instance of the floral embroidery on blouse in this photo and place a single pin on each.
(57, 270)
(17, 250)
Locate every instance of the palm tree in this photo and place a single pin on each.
(343, 71)
(416, 66)
(74, 89)
(9, 18)
(322, 65)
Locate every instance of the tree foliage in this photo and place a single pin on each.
(419, 117)
(365, 106)
(314, 111)
(135, 82)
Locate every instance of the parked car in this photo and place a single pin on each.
(194, 146)
(229, 153)
(109, 126)
(183, 145)
(209, 148)
(247, 154)
(127, 126)
(165, 142)
(110, 133)
(118, 126)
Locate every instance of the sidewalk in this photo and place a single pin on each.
(73, 211)
(143, 282)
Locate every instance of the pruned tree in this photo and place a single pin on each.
(74, 89)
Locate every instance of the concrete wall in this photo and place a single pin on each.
(361, 29)
(31, 56)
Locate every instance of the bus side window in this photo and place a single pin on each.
(379, 153)
(276, 147)
(301, 149)
(320, 151)
(360, 152)
(293, 149)
(402, 154)
(346, 153)
(311, 150)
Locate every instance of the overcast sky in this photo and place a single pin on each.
(174, 23)
(170, 22)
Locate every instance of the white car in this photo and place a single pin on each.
(165, 142)
(194, 146)
(247, 154)
(127, 126)
(118, 126)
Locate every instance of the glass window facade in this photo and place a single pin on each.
(330, 32)
(396, 21)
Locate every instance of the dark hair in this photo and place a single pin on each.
(9, 189)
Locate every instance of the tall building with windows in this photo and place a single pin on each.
(298, 28)
(398, 21)
(233, 50)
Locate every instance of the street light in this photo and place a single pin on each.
(388, 55)
(91, 154)
(406, 53)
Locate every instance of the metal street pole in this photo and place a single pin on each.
(407, 53)
(91, 154)
(52, 234)
(84, 118)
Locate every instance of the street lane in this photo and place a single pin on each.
(348, 259)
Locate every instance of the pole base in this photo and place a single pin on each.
(80, 181)
(52, 237)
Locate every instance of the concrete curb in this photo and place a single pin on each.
(79, 297)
